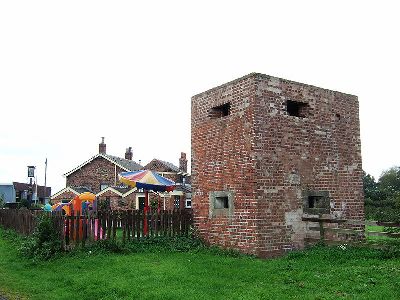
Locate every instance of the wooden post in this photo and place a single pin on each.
(109, 223)
(84, 228)
(321, 229)
(77, 227)
(72, 227)
(114, 223)
(124, 224)
(146, 208)
(67, 224)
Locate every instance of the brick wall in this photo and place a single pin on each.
(64, 196)
(268, 160)
(99, 171)
(118, 202)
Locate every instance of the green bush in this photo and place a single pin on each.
(24, 203)
(45, 242)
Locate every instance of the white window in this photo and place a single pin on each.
(188, 203)
(177, 200)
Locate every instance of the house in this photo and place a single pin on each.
(268, 153)
(181, 197)
(19, 191)
(99, 175)
(7, 193)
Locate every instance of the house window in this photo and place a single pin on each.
(18, 196)
(177, 200)
(188, 203)
(316, 202)
(141, 201)
(220, 111)
(221, 204)
(296, 109)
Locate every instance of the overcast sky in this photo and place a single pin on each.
(74, 71)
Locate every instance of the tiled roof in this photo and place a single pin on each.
(122, 189)
(20, 186)
(81, 189)
(161, 165)
(187, 188)
(126, 163)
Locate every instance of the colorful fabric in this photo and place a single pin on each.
(147, 180)
(47, 207)
(58, 206)
(86, 196)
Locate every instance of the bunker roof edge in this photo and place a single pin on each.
(254, 74)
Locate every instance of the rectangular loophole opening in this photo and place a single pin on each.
(296, 109)
(220, 111)
(221, 202)
(314, 201)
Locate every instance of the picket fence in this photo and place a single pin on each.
(103, 225)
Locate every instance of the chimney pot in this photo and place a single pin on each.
(183, 163)
(128, 153)
(102, 146)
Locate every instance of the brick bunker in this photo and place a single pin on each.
(265, 153)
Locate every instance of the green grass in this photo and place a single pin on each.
(319, 273)
(376, 229)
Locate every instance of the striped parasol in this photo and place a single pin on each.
(147, 180)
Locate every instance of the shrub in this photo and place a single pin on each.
(24, 203)
(45, 242)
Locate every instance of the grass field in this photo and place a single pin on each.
(369, 228)
(319, 273)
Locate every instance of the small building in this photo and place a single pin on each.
(18, 191)
(267, 152)
(7, 193)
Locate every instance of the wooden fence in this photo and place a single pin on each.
(129, 225)
(333, 231)
(21, 220)
(103, 225)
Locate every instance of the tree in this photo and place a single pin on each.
(389, 182)
(370, 187)
(382, 198)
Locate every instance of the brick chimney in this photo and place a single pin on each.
(102, 146)
(128, 153)
(183, 163)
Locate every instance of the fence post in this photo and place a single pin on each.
(321, 229)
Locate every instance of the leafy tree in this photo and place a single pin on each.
(370, 187)
(389, 182)
(382, 198)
